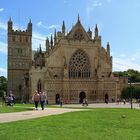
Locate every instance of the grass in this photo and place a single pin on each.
(24, 107)
(96, 124)
(21, 107)
(8, 109)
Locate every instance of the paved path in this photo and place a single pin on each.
(8, 117)
(103, 105)
(15, 116)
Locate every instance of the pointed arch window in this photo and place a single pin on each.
(79, 65)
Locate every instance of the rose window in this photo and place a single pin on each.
(79, 66)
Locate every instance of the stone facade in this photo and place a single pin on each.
(19, 60)
(73, 66)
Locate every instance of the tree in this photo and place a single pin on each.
(3, 85)
(135, 75)
(135, 92)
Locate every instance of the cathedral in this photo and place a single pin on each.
(73, 66)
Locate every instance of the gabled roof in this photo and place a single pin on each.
(78, 32)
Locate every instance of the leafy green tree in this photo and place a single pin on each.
(126, 92)
(3, 85)
(135, 75)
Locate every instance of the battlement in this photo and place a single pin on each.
(11, 31)
(20, 32)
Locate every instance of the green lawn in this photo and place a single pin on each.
(8, 109)
(97, 124)
(24, 107)
(21, 107)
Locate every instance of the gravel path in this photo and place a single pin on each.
(8, 117)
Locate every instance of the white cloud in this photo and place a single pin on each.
(1, 9)
(124, 62)
(54, 26)
(3, 47)
(37, 39)
(96, 4)
(40, 24)
(91, 5)
(108, 1)
(3, 72)
(3, 26)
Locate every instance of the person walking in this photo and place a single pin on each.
(35, 98)
(61, 102)
(43, 99)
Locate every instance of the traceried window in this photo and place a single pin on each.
(79, 66)
(78, 35)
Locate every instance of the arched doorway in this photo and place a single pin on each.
(82, 95)
(106, 98)
(57, 99)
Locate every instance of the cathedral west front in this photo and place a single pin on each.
(73, 66)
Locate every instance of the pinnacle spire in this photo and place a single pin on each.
(90, 32)
(78, 18)
(63, 28)
(10, 25)
(10, 19)
(89, 29)
(51, 41)
(55, 37)
(40, 50)
(96, 31)
(108, 48)
(30, 22)
(108, 44)
(55, 33)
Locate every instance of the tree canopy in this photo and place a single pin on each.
(3, 85)
(134, 74)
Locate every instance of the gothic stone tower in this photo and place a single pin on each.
(19, 60)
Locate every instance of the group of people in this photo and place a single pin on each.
(9, 100)
(39, 97)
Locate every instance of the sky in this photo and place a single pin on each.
(118, 22)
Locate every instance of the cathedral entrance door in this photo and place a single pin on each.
(57, 99)
(82, 95)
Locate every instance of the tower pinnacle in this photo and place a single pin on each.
(63, 28)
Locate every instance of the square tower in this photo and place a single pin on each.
(19, 60)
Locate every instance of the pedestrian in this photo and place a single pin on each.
(106, 100)
(35, 98)
(61, 102)
(124, 101)
(9, 100)
(43, 99)
(86, 102)
(118, 100)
